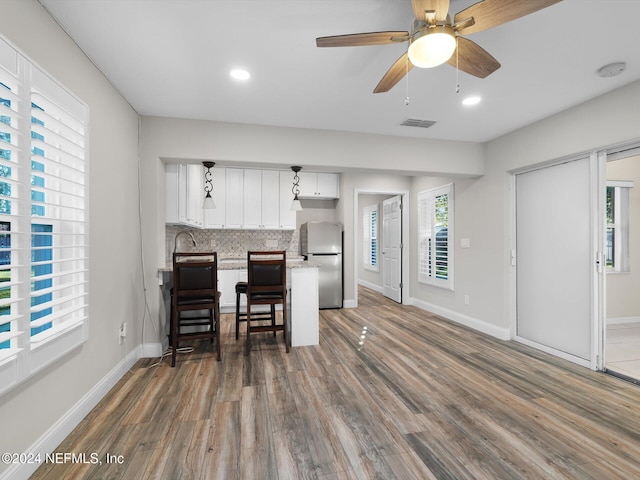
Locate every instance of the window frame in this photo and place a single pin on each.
(44, 136)
(428, 228)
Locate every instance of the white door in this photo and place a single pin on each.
(556, 259)
(392, 248)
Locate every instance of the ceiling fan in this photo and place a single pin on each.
(434, 37)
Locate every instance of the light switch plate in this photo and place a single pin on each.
(465, 243)
(271, 243)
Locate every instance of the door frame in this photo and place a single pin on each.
(596, 245)
(357, 244)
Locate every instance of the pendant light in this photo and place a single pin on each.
(296, 205)
(208, 203)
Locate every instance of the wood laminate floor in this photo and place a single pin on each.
(390, 392)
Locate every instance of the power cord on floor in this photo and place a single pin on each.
(168, 352)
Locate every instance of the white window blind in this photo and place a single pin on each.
(435, 218)
(370, 237)
(617, 212)
(43, 219)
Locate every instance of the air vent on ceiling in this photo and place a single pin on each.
(414, 122)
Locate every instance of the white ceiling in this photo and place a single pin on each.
(173, 57)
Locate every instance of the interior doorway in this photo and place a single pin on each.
(622, 246)
(388, 276)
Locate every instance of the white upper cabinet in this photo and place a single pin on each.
(287, 216)
(195, 195)
(261, 199)
(319, 185)
(215, 217)
(244, 198)
(182, 185)
(234, 198)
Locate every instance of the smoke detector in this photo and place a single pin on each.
(612, 69)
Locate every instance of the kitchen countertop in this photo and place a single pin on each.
(234, 263)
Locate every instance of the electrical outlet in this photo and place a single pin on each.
(466, 299)
(122, 332)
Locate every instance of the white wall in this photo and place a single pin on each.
(116, 295)
(623, 300)
(483, 206)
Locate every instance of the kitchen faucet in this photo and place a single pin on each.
(183, 232)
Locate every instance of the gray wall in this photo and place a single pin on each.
(116, 294)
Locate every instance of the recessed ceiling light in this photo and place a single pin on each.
(240, 74)
(471, 101)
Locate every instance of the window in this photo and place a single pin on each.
(370, 236)
(43, 219)
(617, 240)
(435, 217)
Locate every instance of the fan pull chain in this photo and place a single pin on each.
(406, 65)
(457, 69)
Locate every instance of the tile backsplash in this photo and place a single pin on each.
(231, 243)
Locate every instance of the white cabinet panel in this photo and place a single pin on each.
(227, 280)
(252, 217)
(234, 199)
(215, 218)
(195, 195)
(287, 216)
(319, 185)
(270, 199)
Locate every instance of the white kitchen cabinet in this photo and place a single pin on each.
(215, 217)
(234, 197)
(182, 183)
(319, 185)
(261, 199)
(195, 195)
(171, 195)
(227, 280)
(287, 216)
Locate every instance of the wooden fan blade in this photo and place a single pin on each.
(491, 13)
(441, 7)
(473, 59)
(362, 39)
(398, 70)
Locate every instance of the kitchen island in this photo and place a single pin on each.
(302, 294)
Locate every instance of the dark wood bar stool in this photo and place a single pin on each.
(195, 288)
(241, 289)
(267, 285)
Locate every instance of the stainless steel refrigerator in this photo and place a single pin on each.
(321, 243)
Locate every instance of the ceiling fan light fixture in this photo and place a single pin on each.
(432, 46)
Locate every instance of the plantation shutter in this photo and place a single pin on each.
(43, 219)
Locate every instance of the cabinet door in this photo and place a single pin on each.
(234, 197)
(215, 218)
(308, 184)
(287, 216)
(252, 199)
(195, 195)
(171, 193)
(328, 185)
(270, 199)
(182, 195)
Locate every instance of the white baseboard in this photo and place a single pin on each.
(622, 320)
(371, 286)
(50, 440)
(471, 322)
(351, 303)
